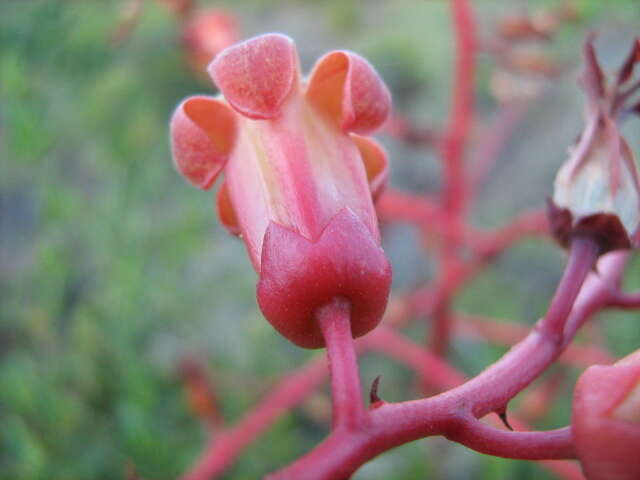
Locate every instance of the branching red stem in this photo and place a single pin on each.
(455, 137)
(508, 334)
(461, 116)
(598, 291)
(359, 435)
(226, 445)
(439, 374)
(492, 142)
(391, 425)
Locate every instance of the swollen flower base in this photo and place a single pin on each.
(299, 177)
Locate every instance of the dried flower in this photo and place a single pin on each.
(597, 191)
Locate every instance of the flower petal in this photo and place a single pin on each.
(592, 77)
(375, 162)
(348, 89)
(633, 57)
(257, 75)
(202, 134)
(226, 211)
(605, 426)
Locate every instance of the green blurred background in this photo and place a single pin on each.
(112, 267)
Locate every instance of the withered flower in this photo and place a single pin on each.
(597, 190)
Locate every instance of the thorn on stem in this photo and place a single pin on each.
(503, 416)
(374, 399)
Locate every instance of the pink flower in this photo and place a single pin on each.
(299, 177)
(206, 33)
(606, 420)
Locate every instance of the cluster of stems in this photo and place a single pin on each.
(359, 431)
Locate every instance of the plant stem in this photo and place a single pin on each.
(583, 254)
(454, 193)
(599, 291)
(226, 445)
(335, 324)
(460, 120)
(393, 424)
(549, 445)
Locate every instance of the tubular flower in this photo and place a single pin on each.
(299, 177)
(606, 420)
(205, 34)
(597, 191)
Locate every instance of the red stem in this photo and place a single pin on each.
(396, 205)
(492, 142)
(443, 376)
(461, 116)
(493, 388)
(399, 206)
(549, 445)
(294, 387)
(452, 151)
(335, 324)
(598, 291)
(226, 445)
(438, 373)
(583, 254)
(491, 243)
(626, 300)
(508, 333)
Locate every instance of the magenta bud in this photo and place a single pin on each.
(606, 420)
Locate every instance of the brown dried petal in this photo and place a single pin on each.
(604, 228)
(627, 68)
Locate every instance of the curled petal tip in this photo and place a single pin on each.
(346, 87)
(202, 134)
(257, 75)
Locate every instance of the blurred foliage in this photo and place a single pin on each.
(111, 267)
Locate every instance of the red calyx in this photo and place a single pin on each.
(299, 276)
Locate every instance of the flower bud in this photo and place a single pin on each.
(205, 34)
(606, 420)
